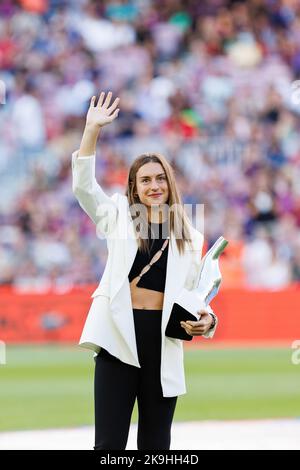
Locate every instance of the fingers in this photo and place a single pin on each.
(114, 115)
(114, 105)
(196, 323)
(107, 100)
(111, 109)
(93, 100)
(194, 328)
(101, 98)
(197, 327)
(188, 332)
(186, 328)
(200, 325)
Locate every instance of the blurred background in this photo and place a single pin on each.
(213, 85)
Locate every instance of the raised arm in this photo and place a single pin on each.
(100, 207)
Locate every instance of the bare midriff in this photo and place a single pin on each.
(145, 299)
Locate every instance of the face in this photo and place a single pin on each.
(151, 179)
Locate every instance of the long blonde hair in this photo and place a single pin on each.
(178, 221)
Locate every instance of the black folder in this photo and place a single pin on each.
(174, 329)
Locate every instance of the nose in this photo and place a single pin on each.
(154, 186)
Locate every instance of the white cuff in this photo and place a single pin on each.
(86, 156)
(210, 333)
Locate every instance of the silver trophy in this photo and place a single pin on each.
(207, 284)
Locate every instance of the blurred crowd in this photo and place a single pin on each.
(211, 84)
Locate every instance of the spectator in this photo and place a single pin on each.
(206, 83)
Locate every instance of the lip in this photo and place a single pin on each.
(155, 195)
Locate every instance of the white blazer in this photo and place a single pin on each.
(109, 323)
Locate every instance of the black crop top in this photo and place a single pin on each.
(155, 277)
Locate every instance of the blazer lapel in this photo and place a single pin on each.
(129, 250)
(177, 269)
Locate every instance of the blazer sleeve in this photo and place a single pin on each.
(101, 208)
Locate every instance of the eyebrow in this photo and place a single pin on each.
(160, 174)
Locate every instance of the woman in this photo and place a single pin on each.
(146, 268)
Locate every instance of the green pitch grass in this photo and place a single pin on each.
(52, 386)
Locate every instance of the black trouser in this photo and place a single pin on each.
(117, 385)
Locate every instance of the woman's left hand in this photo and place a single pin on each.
(198, 328)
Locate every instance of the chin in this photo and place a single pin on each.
(152, 202)
(160, 203)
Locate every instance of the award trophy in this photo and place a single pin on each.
(189, 302)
